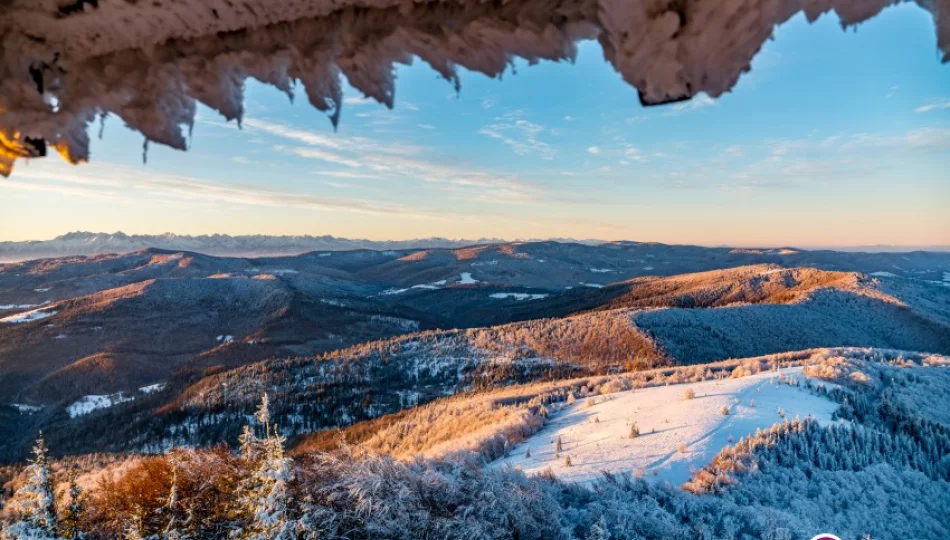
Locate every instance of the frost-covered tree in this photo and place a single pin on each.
(266, 495)
(599, 530)
(69, 525)
(34, 504)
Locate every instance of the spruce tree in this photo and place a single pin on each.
(70, 523)
(34, 504)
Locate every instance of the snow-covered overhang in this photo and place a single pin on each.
(63, 63)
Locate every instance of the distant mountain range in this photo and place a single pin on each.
(262, 245)
(256, 245)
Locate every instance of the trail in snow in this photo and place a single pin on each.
(665, 420)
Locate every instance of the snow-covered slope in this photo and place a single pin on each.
(63, 63)
(596, 437)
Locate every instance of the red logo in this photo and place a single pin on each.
(825, 536)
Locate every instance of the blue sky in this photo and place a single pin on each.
(834, 138)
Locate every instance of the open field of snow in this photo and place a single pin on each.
(597, 437)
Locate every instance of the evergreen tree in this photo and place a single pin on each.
(70, 523)
(267, 498)
(599, 530)
(34, 504)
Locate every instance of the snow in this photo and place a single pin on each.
(440, 282)
(467, 279)
(665, 420)
(26, 409)
(946, 276)
(225, 338)
(41, 290)
(883, 274)
(152, 388)
(518, 296)
(4, 307)
(592, 285)
(28, 316)
(388, 292)
(324, 254)
(282, 271)
(648, 268)
(88, 404)
(61, 336)
(602, 270)
(427, 287)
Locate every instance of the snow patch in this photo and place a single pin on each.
(23, 408)
(467, 279)
(224, 339)
(883, 274)
(392, 291)
(592, 285)
(517, 296)
(152, 388)
(88, 404)
(602, 270)
(42, 290)
(665, 420)
(28, 316)
(648, 268)
(282, 271)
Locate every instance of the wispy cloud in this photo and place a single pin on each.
(933, 106)
(390, 160)
(104, 179)
(593, 150)
(520, 134)
(699, 101)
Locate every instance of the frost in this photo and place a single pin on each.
(151, 63)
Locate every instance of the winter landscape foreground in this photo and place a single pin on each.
(477, 392)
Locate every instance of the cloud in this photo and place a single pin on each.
(353, 145)
(387, 160)
(593, 150)
(357, 101)
(933, 106)
(699, 101)
(892, 92)
(111, 180)
(520, 134)
(316, 153)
